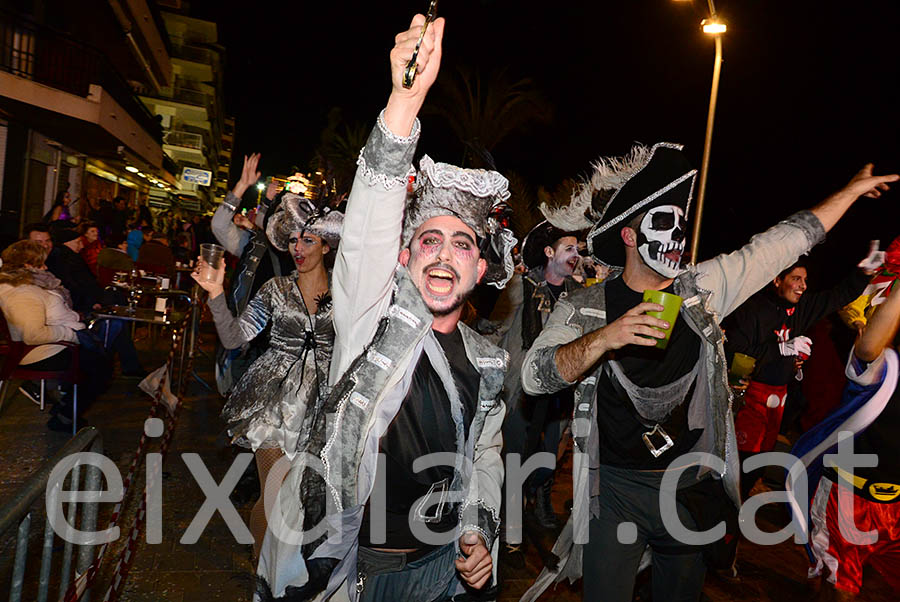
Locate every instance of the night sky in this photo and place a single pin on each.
(808, 93)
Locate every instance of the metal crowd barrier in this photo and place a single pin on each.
(17, 512)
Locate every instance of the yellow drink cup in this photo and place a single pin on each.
(672, 305)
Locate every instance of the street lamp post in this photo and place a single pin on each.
(714, 27)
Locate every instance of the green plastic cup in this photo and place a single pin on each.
(672, 305)
(742, 366)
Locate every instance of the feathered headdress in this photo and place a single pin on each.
(620, 188)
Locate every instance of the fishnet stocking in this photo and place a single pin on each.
(265, 460)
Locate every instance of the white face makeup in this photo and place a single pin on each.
(661, 239)
(562, 256)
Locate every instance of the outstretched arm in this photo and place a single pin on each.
(863, 183)
(229, 235)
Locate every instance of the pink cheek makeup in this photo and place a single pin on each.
(429, 250)
(465, 254)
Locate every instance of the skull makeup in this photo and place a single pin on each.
(661, 239)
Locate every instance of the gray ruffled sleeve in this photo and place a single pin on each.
(235, 332)
(386, 159)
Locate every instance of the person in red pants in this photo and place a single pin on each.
(771, 327)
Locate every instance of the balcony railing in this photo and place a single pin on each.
(191, 97)
(196, 54)
(184, 139)
(38, 53)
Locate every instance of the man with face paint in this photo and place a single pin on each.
(534, 424)
(412, 384)
(638, 409)
(770, 327)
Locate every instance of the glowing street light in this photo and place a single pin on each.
(714, 27)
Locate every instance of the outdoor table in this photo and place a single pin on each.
(138, 314)
(143, 315)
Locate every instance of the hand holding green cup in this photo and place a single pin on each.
(671, 304)
(742, 366)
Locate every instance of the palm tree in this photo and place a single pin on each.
(484, 114)
(339, 146)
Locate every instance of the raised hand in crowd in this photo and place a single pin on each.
(272, 190)
(404, 104)
(249, 175)
(863, 183)
(874, 260)
(213, 287)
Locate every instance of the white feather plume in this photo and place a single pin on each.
(608, 174)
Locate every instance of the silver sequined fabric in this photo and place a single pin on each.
(268, 407)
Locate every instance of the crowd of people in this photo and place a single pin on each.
(56, 278)
(406, 441)
(352, 350)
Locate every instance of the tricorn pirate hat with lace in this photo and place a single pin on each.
(620, 188)
(297, 213)
(478, 198)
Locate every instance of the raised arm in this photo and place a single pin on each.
(734, 277)
(863, 183)
(370, 240)
(233, 238)
(881, 329)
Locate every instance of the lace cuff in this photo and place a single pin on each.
(386, 159)
(477, 516)
(810, 224)
(544, 371)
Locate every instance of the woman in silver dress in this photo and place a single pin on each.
(270, 408)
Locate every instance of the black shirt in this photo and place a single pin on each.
(765, 320)
(620, 431)
(556, 290)
(423, 425)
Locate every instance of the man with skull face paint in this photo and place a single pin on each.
(638, 409)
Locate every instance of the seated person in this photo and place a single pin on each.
(90, 238)
(115, 256)
(36, 308)
(39, 233)
(135, 239)
(155, 255)
(66, 264)
(182, 248)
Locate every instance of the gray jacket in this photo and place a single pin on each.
(711, 290)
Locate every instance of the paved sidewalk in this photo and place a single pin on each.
(218, 568)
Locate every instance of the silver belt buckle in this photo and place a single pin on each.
(657, 451)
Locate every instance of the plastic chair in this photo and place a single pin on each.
(14, 351)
